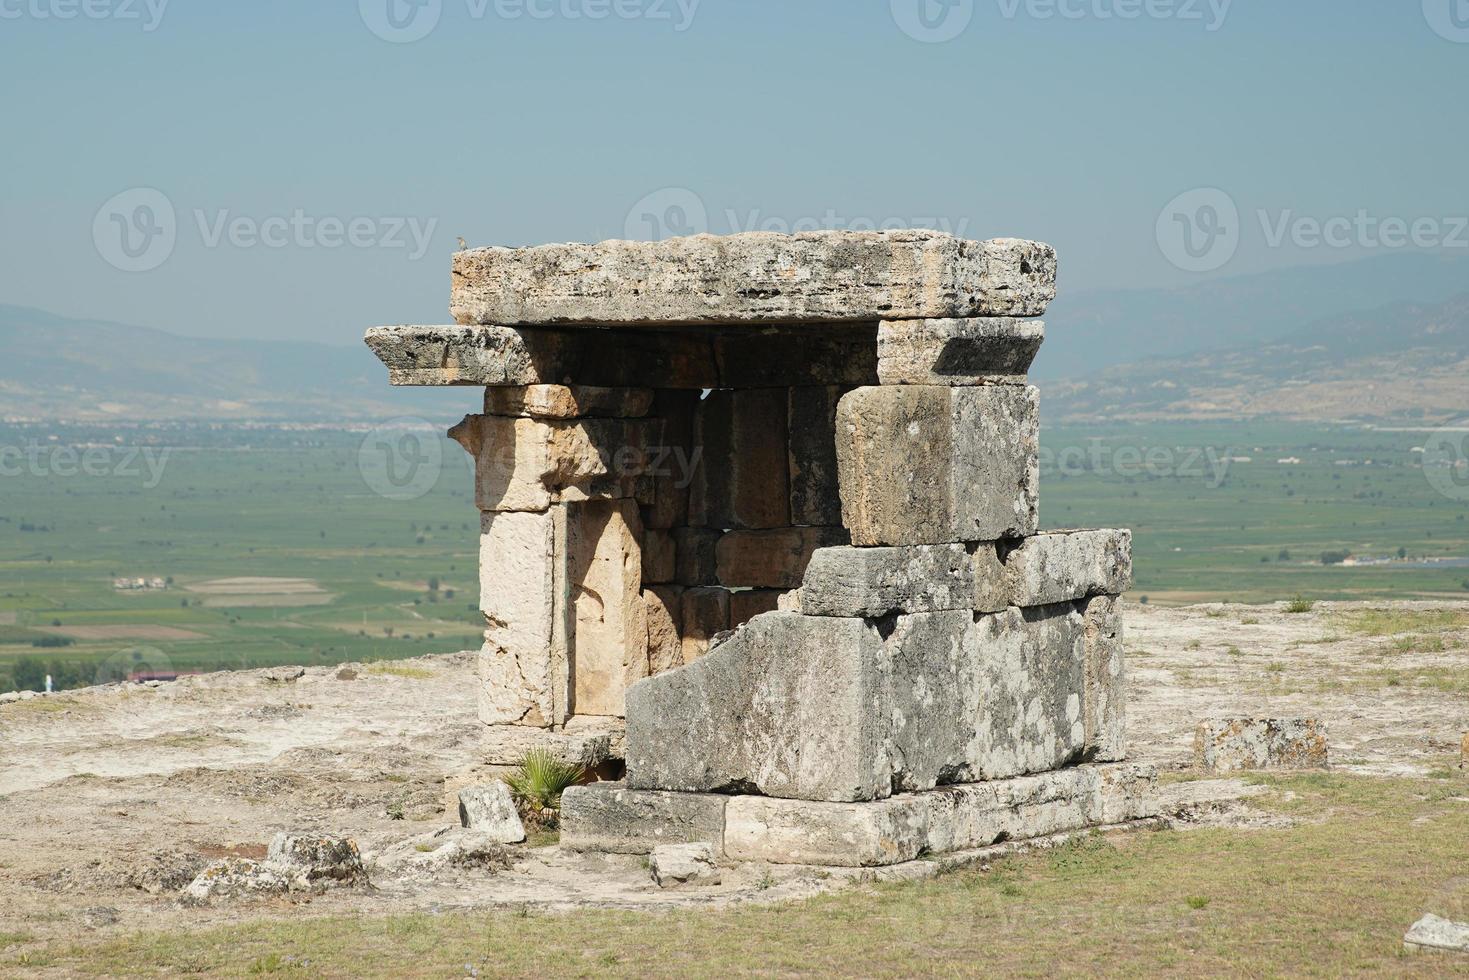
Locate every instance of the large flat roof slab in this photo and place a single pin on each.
(826, 277)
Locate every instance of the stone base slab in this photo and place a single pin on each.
(951, 819)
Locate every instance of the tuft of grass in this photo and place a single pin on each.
(540, 779)
(1300, 604)
(406, 671)
(1391, 622)
(1197, 902)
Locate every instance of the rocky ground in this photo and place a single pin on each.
(112, 799)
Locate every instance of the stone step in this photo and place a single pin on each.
(819, 276)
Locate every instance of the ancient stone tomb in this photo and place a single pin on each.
(760, 521)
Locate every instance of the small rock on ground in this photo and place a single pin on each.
(684, 866)
(489, 809)
(1436, 934)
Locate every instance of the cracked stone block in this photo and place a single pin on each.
(684, 866)
(585, 742)
(660, 557)
(937, 465)
(873, 582)
(815, 494)
(665, 616)
(568, 402)
(774, 559)
(742, 476)
(489, 809)
(1060, 566)
(696, 556)
(605, 569)
(518, 588)
(1104, 706)
(858, 835)
(986, 350)
(705, 616)
(501, 356)
(611, 817)
(529, 464)
(1240, 744)
(1128, 792)
(815, 276)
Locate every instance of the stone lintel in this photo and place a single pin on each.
(987, 350)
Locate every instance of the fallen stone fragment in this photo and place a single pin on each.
(822, 276)
(613, 818)
(684, 866)
(317, 857)
(284, 675)
(236, 878)
(568, 401)
(1434, 934)
(441, 850)
(991, 350)
(1239, 744)
(1059, 566)
(490, 810)
(921, 464)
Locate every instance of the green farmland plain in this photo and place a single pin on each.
(275, 547)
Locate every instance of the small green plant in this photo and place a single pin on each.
(1197, 902)
(395, 810)
(539, 781)
(1300, 604)
(1235, 652)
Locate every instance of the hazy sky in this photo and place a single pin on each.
(319, 162)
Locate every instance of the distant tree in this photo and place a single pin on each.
(1402, 552)
(433, 584)
(1334, 557)
(28, 674)
(1284, 555)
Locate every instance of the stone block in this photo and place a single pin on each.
(805, 356)
(585, 742)
(992, 350)
(783, 707)
(1434, 934)
(1128, 792)
(499, 356)
(518, 590)
(524, 464)
(317, 858)
(857, 835)
(757, 276)
(613, 818)
(937, 465)
(605, 571)
(1240, 744)
(746, 604)
(873, 582)
(774, 559)
(696, 551)
(672, 458)
(1104, 704)
(742, 477)
(489, 809)
(660, 557)
(665, 617)
(705, 616)
(684, 866)
(815, 495)
(568, 402)
(1060, 566)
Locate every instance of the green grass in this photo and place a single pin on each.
(1329, 896)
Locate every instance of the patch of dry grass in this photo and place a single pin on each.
(407, 671)
(1392, 622)
(1331, 895)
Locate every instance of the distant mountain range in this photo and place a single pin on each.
(1381, 338)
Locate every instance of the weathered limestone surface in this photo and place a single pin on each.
(892, 831)
(489, 809)
(568, 402)
(605, 568)
(774, 559)
(1104, 706)
(1433, 934)
(811, 419)
(684, 866)
(1237, 744)
(660, 557)
(842, 709)
(585, 742)
(935, 465)
(990, 350)
(822, 276)
(1060, 566)
(742, 477)
(872, 582)
(613, 818)
(526, 464)
(665, 616)
(705, 616)
(517, 594)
